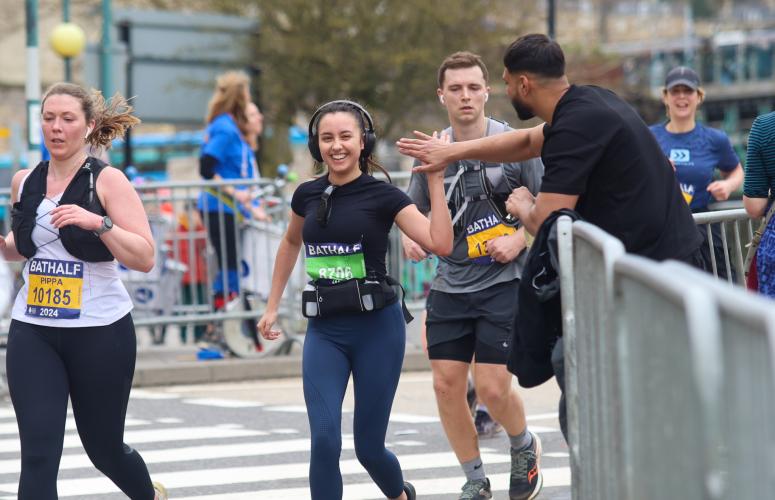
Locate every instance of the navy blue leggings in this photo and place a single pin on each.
(371, 347)
(94, 366)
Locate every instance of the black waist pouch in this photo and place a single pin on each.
(350, 296)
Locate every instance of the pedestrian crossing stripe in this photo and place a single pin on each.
(253, 474)
(12, 428)
(202, 452)
(553, 477)
(223, 403)
(136, 437)
(446, 482)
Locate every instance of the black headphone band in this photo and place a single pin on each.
(312, 129)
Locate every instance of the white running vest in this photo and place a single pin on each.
(62, 291)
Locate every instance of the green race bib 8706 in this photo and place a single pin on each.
(335, 261)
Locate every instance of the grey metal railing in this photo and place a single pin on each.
(670, 373)
(730, 231)
(592, 257)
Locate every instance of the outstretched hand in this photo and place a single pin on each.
(431, 150)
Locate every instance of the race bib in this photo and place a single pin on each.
(55, 288)
(334, 261)
(687, 190)
(481, 230)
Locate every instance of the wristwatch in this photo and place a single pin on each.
(106, 226)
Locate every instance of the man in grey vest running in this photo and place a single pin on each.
(472, 303)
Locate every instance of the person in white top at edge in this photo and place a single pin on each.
(71, 333)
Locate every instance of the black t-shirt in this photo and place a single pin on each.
(354, 242)
(598, 147)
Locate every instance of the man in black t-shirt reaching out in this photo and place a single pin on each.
(599, 157)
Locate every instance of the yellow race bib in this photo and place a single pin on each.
(55, 289)
(477, 234)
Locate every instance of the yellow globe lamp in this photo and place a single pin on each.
(68, 40)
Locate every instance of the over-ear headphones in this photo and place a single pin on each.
(441, 99)
(369, 137)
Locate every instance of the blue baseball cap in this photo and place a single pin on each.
(682, 76)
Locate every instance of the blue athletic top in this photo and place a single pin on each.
(760, 158)
(696, 155)
(236, 160)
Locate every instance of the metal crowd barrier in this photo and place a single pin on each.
(591, 258)
(670, 374)
(178, 290)
(730, 231)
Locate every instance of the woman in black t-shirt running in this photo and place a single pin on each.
(343, 219)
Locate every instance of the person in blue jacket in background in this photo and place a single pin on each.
(227, 155)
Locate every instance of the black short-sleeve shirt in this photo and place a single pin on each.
(599, 148)
(361, 215)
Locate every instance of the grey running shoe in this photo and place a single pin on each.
(526, 478)
(476, 489)
(486, 427)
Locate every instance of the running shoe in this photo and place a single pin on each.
(476, 489)
(526, 478)
(486, 427)
(160, 490)
(409, 490)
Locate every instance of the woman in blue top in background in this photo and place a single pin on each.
(227, 155)
(697, 151)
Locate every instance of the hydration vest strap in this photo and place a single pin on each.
(392, 282)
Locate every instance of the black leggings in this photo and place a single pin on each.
(94, 366)
(230, 239)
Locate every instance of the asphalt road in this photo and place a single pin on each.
(242, 441)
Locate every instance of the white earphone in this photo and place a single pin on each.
(441, 99)
(486, 96)
(88, 131)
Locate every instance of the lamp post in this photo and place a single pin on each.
(106, 62)
(551, 14)
(68, 41)
(32, 84)
(125, 36)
